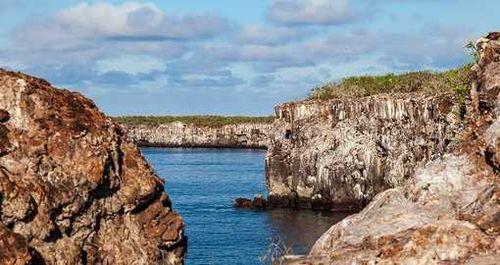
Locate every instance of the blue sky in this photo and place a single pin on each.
(230, 57)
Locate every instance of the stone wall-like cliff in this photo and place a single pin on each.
(340, 153)
(450, 211)
(73, 188)
(178, 134)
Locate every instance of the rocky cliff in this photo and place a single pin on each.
(73, 188)
(450, 211)
(340, 153)
(178, 134)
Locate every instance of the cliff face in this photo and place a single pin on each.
(73, 189)
(340, 153)
(178, 134)
(451, 212)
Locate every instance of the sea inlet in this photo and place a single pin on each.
(203, 183)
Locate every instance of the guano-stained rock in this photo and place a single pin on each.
(73, 189)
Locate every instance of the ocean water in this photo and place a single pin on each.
(203, 183)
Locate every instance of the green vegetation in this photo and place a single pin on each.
(471, 47)
(207, 120)
(424, 81)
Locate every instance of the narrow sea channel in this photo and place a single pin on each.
(203, 183)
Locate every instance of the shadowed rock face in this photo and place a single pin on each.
(340, 153)
(73, 189)
(178, 134)
(451, 214)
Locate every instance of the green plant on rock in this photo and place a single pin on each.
(427, 82)
(472, 51)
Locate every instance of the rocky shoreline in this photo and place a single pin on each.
(179, 134)
(449, 212)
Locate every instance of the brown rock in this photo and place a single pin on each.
(13, 248)
(73, 189)
(243, 203)
(259, 203)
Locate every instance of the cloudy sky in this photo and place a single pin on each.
(230, 56)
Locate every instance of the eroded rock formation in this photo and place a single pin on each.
(178, 134)
(450, 211)
(73, 189)
(340, 153)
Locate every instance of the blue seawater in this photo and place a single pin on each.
(203, 183)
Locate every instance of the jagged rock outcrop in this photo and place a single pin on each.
(450, 212)
(340, 153)
(73, 189)
(178, 134)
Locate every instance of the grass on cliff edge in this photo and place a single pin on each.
(424, 81)
(200, 120)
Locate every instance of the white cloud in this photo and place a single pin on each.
(139, 22)
(300, 12)
(260, 35)
(105, 18)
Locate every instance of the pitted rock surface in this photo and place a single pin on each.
(73, 188)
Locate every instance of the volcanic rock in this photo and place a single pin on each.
(73, 188)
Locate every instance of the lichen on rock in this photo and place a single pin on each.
(73, 188)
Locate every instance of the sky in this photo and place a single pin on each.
(230, 57)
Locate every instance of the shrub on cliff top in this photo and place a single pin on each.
(423, 81)
(201, 120)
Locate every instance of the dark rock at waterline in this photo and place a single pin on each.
(257, 203)
(243, 203)
(322, 204)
